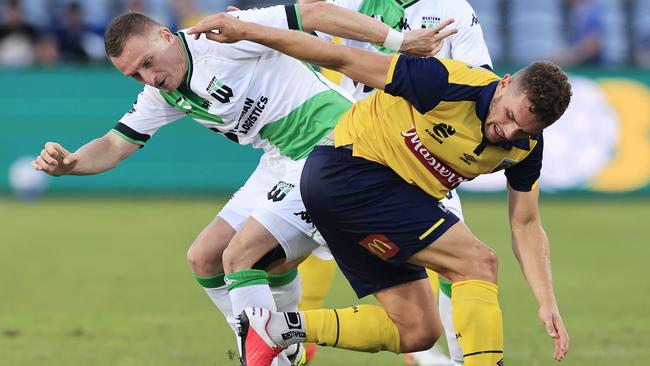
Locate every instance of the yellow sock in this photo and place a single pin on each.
(478, 322)
(364, 328)
(433, 280)
(317, 276)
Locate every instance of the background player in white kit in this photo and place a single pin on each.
(252, 95)
(467, 45)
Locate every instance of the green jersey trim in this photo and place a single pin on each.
(127, 138)
(190, 61)
(296, 134)
(298, 17)
(189, 103)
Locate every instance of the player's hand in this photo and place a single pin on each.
(220, 27)
(426, 41)
(55, 160)
(550, 316)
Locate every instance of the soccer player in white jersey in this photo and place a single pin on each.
(252, 95)
(467, 45)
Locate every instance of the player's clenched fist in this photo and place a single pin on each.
(55, 160)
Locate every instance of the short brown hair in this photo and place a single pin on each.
(123, 27)
(548, 89)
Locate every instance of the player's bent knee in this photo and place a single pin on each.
(482, 264)
(236, 258)
(204, 262)
(417, 332)
(205, 254)
(418, 339)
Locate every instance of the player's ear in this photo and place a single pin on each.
(166, 34)
(505, 81)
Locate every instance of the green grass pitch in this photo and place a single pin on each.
(105, 282)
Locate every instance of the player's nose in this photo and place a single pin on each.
(510, 132)
(149, 78)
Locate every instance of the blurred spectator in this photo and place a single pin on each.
(185, 14)
(46, 52)
(585, 34)
(77, 43)
(17, 37)
(642, 55)
(135, 6)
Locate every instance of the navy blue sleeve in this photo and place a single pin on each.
(421, 81)
(522, 176)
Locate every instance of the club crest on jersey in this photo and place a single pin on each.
(505, 163)
(429, 21)
(446, 175)
(380, 245)
(219, 91)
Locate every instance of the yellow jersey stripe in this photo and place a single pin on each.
(391, 69)
(535, 185)
(435, 226)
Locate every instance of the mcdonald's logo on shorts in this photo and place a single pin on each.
(380, 246)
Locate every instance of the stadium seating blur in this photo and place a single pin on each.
(516, 31)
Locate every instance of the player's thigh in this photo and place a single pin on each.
(205, 254)
(412, 307)
(458, 255)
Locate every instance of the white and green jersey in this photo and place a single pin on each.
(467, 45)
(245, 91)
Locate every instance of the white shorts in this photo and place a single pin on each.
(271, 195)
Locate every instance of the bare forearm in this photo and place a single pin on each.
(530, 245)
(341, 22)
(365, 67)
(100, 155)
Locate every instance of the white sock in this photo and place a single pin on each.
(252, 295)
(444, 306)
(287, 297)
(221, 300)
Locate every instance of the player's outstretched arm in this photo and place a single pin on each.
(530, 245)
(97, 156)
(365, 67)
(341, 22)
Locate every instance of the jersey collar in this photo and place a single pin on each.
(190, 62)
(482, 108)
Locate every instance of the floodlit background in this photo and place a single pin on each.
(93, 271)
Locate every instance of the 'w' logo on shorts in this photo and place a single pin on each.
(279, 191)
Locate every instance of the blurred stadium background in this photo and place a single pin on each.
(93, 270)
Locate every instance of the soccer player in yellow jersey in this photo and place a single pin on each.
(373, 194)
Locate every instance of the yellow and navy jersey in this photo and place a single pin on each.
(428, 127)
